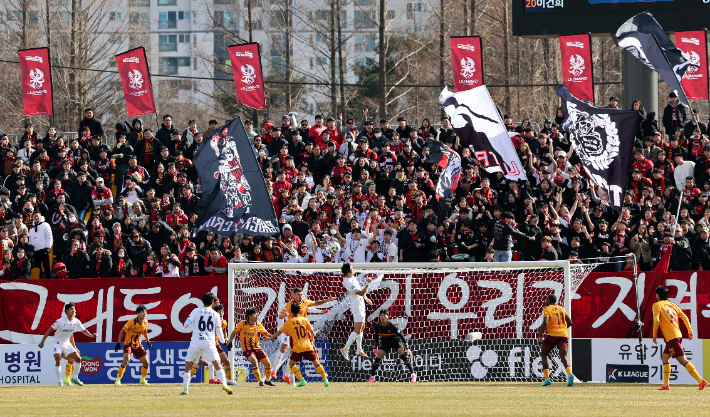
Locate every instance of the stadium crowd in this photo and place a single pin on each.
(366, 185)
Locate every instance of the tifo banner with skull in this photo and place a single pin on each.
(479, 127)
(248, 80)
(36, 81)
(467, 57)
(603, 138)
(234, 194)
(645, 39)
(577, 75)
(695, 81)
(137, 89)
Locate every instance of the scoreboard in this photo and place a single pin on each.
(541, 18)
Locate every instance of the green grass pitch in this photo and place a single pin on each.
(381, 399)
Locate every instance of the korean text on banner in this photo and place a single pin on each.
(135, 78)
(467, 59)
(577, 75)
(248, 79)
(36, 81)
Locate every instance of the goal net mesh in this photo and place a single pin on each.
(472, 323)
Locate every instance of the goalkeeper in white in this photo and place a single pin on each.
(205, 324)
(357, 299)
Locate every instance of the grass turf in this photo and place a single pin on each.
(399, 399)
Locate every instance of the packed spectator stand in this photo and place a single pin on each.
(364, 184)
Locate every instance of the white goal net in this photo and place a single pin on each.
(462, 321)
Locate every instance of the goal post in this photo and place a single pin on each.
(463, 321)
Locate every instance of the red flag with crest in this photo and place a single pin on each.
(467, 57)
(135, 78)
(36, 81)
(695, 80)
(577, 75)
(248, 80)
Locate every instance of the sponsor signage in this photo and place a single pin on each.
(627, 373)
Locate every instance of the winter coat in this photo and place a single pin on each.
(105, 267)
(94, 124)
(77, 265)
(165, 135)
(41, 235)
(139, 251)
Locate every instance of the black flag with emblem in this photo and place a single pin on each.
(645, 39)
(603, 139)
(234, 194)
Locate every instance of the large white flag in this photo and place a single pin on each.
(479, 127)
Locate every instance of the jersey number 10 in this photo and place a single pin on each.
(202, 325)
(301, 332)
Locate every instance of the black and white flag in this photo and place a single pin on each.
(479, 127)
(645, 39)
(603, 138)
(234, 194)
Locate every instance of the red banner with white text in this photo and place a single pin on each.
(36, 81)
(695, 80)
(135, 78)
(248, 79)
(467, 60)
(577, 75)
(427, 306)
(29, 308)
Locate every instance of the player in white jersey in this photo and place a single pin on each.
(206, 324)
(63, 329)
(356, 298)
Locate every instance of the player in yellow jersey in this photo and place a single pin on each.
(249, 332)
(134, 329)
(296, 297)
(222, 355)
(300, 331)
(555, 321)
(665, 316)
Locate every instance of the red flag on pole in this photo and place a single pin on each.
(248, 80)
(577, 74)
(695, 80)
(467, 59)
(36, 81)
(135, 77)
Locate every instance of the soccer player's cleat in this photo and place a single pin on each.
(570, 380)
(302, 383)
(215, 381)
(664, 388)
(61, 384)
(269, 383)
(227, 390)
(326, 383)
(372, 379)
(230, 382)
(117, 383)
(414, 378)
(702, 385)
(361, 354)
(184, 392)
(287, 379)
(144, 382)
(345, 353)
(77, 382)
(67, 381)
(261, 383)
(546, 383)
(274, 376)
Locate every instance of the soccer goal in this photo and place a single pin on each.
(463, 321)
